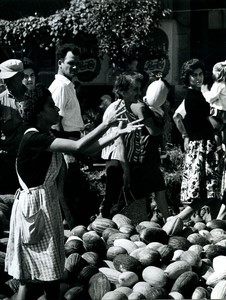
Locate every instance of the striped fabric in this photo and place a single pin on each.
(114, 150)
(136, 142)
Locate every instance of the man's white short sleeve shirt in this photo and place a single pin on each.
(65, 98)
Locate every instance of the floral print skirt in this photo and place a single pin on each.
(202, 175)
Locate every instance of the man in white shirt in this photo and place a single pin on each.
(74, 199)
(64, 93)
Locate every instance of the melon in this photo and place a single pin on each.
(148, 257)
(175, 269)
(154, 276)
(120, 220)
(196, 238)
(125, 262)
(128, 279)
(152, 234)
(166, 253)
(116, 295)
(115, 250)
(173, 226)
(78, 230)
(216, 224)
(186, 283)
(100, 224)
(98, 286)
(142, 287)
(179, 242)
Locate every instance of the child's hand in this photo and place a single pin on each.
(204, 88)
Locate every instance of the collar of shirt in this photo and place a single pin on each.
(63, 79)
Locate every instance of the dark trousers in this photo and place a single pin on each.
(81, 201)
(114, 184)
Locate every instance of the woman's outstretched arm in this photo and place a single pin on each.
(85, 146)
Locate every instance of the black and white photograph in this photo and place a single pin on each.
(112, 149)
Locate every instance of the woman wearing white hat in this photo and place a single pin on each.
(11, 125)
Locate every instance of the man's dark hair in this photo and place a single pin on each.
(65, 48)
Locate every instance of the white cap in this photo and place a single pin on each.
(10, 67)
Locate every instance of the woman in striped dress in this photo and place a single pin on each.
(143, 175)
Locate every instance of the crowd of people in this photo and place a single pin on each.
(37, 255)
(44, 136)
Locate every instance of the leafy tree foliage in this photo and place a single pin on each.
(120, 28)
(124, 27)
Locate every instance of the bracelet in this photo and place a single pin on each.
(184, 135)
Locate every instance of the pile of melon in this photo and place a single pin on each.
(114, 259)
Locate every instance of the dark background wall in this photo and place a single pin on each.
(15, 9)
(208, 30)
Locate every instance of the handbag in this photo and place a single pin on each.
(124, 200)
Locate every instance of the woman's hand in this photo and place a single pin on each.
(115, 115)
(132, 126)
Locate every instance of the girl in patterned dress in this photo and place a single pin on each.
(143, 175)
(202, 171)
(35, 251)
